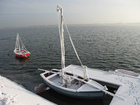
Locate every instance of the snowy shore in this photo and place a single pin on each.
(13, 94)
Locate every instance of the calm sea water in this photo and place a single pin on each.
(105, 47)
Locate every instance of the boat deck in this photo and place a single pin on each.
(58, 81)
(128, 85)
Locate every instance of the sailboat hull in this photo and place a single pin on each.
(22, 53)
(71, 92)
(77, 94)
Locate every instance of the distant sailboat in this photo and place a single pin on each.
(66, 82)
(20, 49)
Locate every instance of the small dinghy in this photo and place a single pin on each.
(20, 49)
(64, 81)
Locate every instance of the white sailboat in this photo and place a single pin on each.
(20, 49)
(65, 81)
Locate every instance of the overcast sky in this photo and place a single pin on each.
(21, 13)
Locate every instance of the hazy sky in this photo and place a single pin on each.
(18, 13)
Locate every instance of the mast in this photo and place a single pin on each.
(61, 32)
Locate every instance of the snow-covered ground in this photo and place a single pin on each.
(13, 94)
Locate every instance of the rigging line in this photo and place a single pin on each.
(84, 53)
(70, 37)
(84, 67)
(72, 43)
(23, 46)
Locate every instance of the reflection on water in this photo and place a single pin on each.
(23, 60)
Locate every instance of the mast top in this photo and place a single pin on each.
(59, 8)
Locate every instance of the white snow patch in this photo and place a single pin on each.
(13, 94)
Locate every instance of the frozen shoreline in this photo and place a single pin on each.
(12, 93)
